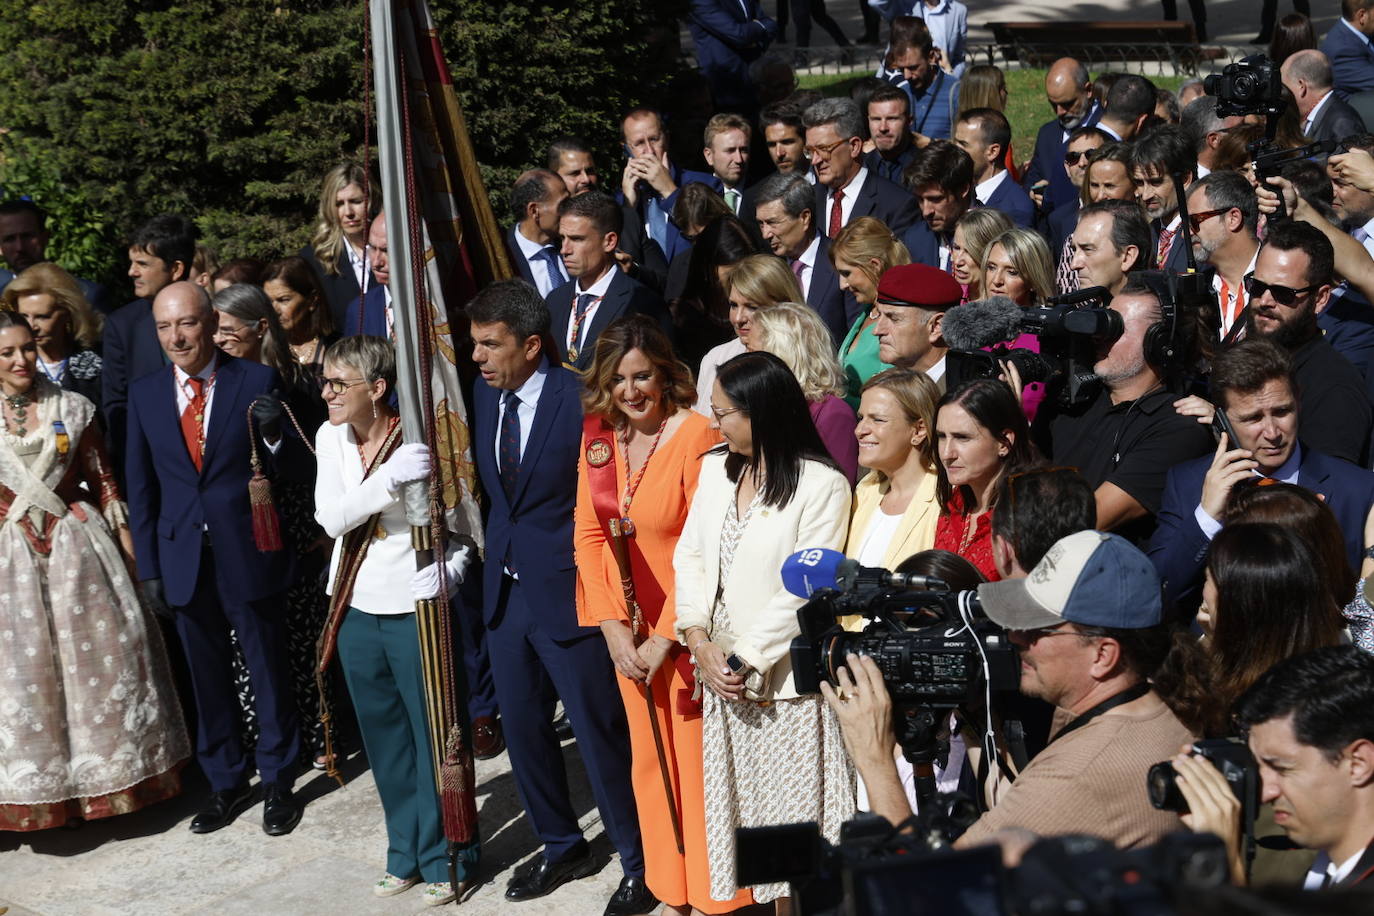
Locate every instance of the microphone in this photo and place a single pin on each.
(808, 571)
(982, 323)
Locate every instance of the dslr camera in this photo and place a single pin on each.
(1249, 86)
(1233, 760)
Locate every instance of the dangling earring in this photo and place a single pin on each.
(374, 410)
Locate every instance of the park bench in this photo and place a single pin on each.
(1101, 45)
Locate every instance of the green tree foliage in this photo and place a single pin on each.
(231, 112)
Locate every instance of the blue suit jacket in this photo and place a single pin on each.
(923, 244)
(681, 177)
(729, 34)
(878, 198)
(129, 350)
(340, 288)
(1048, 162)
(533, 532)
(1179, 548)
(625, 296)
(837, 308)
(374, 314)
(1352, 60)
(172, 505)
(1012, 200)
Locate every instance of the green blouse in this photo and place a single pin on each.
(859, 360)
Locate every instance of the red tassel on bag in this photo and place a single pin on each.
(266, 525)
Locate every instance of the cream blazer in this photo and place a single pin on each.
(762, 614)
(915, 532)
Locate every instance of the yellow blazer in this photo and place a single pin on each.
(915, 532)
(762, 614)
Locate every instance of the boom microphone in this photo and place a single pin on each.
(982, 323)
(808, 571)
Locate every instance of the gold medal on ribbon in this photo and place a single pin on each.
(598, 452)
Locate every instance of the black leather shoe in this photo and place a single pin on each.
(221, 809)
(542, 877)
(562, 727)
(280, 811)
(632, 898)
(487, 738)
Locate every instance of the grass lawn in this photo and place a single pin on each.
(1026, 105)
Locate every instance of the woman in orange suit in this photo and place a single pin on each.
(641, 452)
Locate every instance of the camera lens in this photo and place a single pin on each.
(1162, 783)
(1245, 88)
(1211, 84)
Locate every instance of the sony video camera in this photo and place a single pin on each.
(1069, 327)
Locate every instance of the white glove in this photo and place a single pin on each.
(410, 462)
(425, 583)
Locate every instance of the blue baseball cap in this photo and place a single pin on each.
(1090, 577)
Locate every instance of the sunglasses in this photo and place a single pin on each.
(1072, 156)
(1283, 295)
(1197, 219)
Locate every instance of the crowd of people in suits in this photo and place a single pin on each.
(734, 353)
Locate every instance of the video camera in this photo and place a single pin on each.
(877, 870)
(936, 650)
(1070, 328)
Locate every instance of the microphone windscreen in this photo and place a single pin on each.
(982, 323)
(808, 571)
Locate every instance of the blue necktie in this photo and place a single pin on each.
(550, 259)
(510, 443)
(658, 222)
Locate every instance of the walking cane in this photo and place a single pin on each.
(621, 551)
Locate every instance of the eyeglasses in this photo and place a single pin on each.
(1072, 156)
(825, 152)
(339, 386)
(1196, 220)
(720, 414)
(1283, 295)
(1031, 636)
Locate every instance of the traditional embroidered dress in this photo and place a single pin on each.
(89, 721)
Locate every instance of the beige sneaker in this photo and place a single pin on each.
(390, 885)
(437, 893)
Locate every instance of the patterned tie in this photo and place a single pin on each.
(584, 302)
(550, 258)
(836, 213)
(510, 443)
(732, 200)
(797, 267)
(1166, 237)
(193, 421)
(1065, 277)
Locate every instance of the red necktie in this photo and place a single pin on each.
(836, 213)
(193, 421)
(1166, 236)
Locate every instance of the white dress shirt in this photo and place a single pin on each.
(358, 261)
(984, 189)
(532, 253)
(851, 194)
(808, 261)
(1316, 110)
(598, 290)
(1287, 473)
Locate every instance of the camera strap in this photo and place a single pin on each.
(1121, 699)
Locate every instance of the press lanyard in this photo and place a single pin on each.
(1121, 699)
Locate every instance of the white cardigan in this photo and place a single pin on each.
(762, 613)
(343, 501)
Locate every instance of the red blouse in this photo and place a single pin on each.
(952, 534)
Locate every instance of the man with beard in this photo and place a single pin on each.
(1069, 89)
(889, 126)
(1224, 214)
(1155, 160)
(941, 179)
(1291, 286)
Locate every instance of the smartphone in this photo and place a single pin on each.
(1222, 424)
(735, 663)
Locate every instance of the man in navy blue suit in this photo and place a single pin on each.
(375, 319)
(600, 292)
(985, 133)
(786, 220)
(729, 35)
(1069, 89)
(941, 179)
(845, 188)
(527, 423)
(188, 469)
(650, 182)
(1155, 160)
(160, 252)
(1253, 382)
(533, 239)
(1347, 46)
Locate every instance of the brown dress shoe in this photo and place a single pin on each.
(487, 740)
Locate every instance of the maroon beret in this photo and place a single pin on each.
(920, 286)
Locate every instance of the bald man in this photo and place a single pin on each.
(1325, 116)
(1069, 90)
(188, 468)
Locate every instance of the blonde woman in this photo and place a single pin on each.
(337, 250)
(65, 327)
(1017, 265)
(756, 282)
(974, 232)
(795, 334)
(862, 253)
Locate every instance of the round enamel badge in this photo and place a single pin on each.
(598, 452)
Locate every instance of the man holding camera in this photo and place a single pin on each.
(1088, 623)
(1310, 721)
